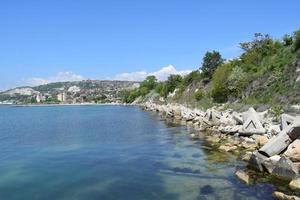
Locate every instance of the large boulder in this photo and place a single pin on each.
(256, 160)
(293, 151)
(270, 163)
(285, 168)
(252, 124)
(213, 116)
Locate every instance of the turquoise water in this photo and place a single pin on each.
(110, 152)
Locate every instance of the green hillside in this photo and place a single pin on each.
(267, 72)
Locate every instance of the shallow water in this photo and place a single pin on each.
(110, 152)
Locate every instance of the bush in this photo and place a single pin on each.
(237, 81)
(220, 90)
(194, 76)
(171, 84)
(199, 95)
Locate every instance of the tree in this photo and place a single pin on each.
(297, 40)
(287, 40)
(150, 83)
(254, 51)
(211, 61)
(169, 85)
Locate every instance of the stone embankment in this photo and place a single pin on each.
(269, 145)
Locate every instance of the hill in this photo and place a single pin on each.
(69, 92)
(267, 73)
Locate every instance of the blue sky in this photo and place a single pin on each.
(61, 39)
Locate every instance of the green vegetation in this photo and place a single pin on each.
(199, 95)
(211, 61)
(263, 74)
(297, 40)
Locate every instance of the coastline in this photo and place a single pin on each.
(226, 130)
(66, 104)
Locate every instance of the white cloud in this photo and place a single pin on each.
(59, 77)
(161, 74)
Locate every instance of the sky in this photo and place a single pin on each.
(59, 40)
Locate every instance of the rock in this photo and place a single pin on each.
(176, 111)
(213, 116)
(277, 144)
(295, 184)
(286, 120)
(256, 161)
(261, 140)
(243, 176)
(227, 120)
(227, 148)
(284, 168)
(282, 196)
(249, 146)
(237, 117)
(251, 125)
(229, 129)
(293, 151)
(273, 129)
(246, 157)
(213, 139)
(205, 123)
(194, 136)
(270, 163)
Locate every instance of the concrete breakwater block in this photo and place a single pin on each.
(252, 124)
(279, 143)
(287, 120)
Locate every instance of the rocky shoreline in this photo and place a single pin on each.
(268, 144)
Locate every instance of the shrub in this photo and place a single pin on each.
(220, 88)
(170, 85)
(194, 76)
(199, 95)
(237, 81)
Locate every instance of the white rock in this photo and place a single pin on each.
(293, 151)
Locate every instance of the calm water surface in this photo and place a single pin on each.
(110, 152)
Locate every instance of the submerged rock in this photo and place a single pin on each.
(246, 157)
(207, 189)
(243, 176)
(227, 148)
(282, 196)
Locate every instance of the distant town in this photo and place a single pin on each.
(78, 92)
